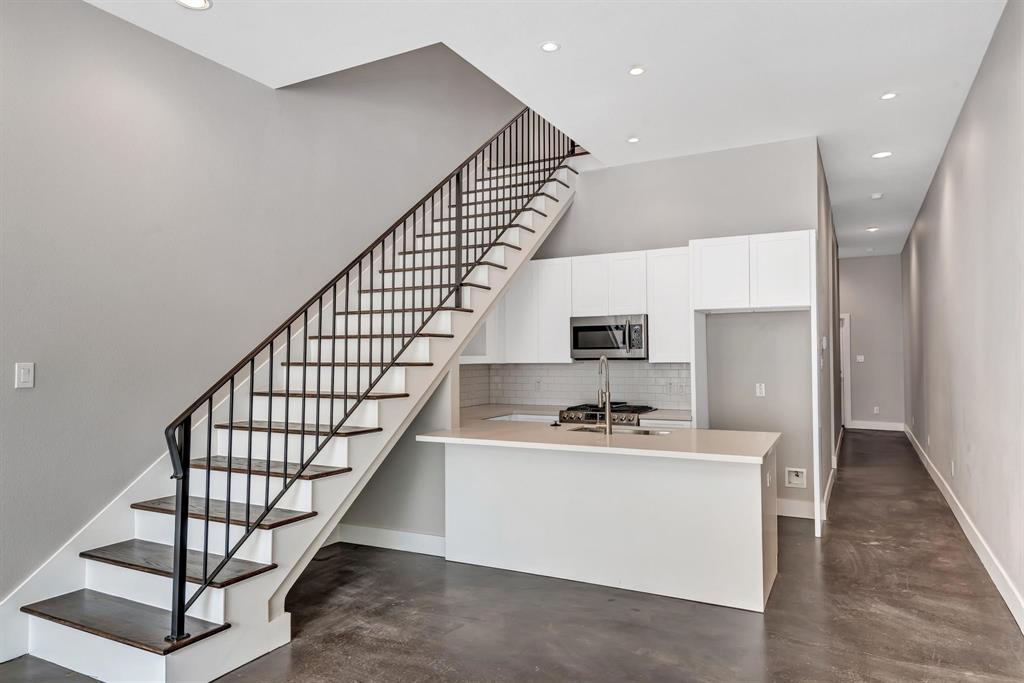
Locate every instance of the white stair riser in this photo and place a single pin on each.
(153, 589)
(538, 166)
(498, 255)
(298, 497)
(366, 323)
(367, 350)
(91, 655)
(331, 411)
(333, 454)
(159, 528)
(490, 232)
(433, 276)
(358, 379)
(515, 194)
(415, 298)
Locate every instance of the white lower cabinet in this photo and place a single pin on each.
(668, 306)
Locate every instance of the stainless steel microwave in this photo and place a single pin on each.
(615, 336)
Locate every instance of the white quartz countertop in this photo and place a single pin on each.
(488, 410)
(685, 444)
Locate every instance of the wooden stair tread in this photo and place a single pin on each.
(490, 214)
(296, 428)
(542, 161)
(219, 463)
(529, 183)
(443, 266)
(342, 364)
(442, 233)
(157, 558)
(407, 288)
(412, 309)
(384, 335)
(481, 247)
(220, 511)
(507, 199)
(123, 621)
(380, 396)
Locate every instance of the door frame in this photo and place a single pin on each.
(844, 361)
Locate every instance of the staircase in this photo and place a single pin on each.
(267, 461)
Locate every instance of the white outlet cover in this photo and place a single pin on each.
(796, 478)
(24, 375)
(860, 359)
(876, 410)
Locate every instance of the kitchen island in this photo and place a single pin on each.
(687, 513)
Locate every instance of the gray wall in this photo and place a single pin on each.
(870, 288)
(666, 203)
(161, 215)
(826, 265)
(406, 492)
(963, 288)
(747, 348)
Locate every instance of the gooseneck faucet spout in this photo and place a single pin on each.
(604, 393)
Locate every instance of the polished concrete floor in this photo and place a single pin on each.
(892, 592)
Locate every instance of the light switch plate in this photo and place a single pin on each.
(759, 390)
(796, 478)
(860, 359)
(24, 375)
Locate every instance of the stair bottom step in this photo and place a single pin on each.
(123, 621)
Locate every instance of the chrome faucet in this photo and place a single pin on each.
(604, 393)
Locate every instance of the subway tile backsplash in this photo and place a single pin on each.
(664, 385)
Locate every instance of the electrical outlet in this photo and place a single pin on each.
(876, 410)
(796, 478)
(860, 359)
(24, 375)
(759, 390)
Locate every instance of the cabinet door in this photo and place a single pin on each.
(554, 308)
(721, 273)
(590, 285)
(668, 306)
(780, 269)
(627, 283)
(521, 316)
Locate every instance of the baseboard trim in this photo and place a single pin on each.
(1004, 584)
(804, 509)
(884, 426)
(828, 493)
(392, 539)
(839, 444)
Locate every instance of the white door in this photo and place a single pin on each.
(780, 269)
(521, 316)
(627, 283)
(554, 308)
(668, 306)
(844, 366)
(590, 285)
(721, 273)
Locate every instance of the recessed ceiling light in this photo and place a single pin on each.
(873, 228)
(633, 140)
(881, 155)
(877, 195)
(636, 70)
(550, 47)
(888, 96)
(194, 4)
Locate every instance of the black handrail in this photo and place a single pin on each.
(529, 146)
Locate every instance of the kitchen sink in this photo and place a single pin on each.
(623, 430)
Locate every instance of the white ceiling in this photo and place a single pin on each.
(720, 74)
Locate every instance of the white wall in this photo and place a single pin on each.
(963, 299)
(870, 289)
(161, 214)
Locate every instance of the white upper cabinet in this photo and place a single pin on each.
(521, 314)
(668, 306)
(720, 273)
(554, 309)
(590, 285)
(780, 269)
(627, 283)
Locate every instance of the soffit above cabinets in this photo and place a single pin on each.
(718, 74)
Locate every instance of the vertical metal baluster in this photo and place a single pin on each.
(305, 372)
(334, 349)
(206, 497)
(248, 467)
(348, 293)
(359, 341)
(394, 270)
(287, 388)
(320, 364)
(383, 312)
(270, 423)
(231, 452)
(458, 238)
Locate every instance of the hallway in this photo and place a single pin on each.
(892, 592)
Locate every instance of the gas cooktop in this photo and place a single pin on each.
(617, 407)
(589, 413)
